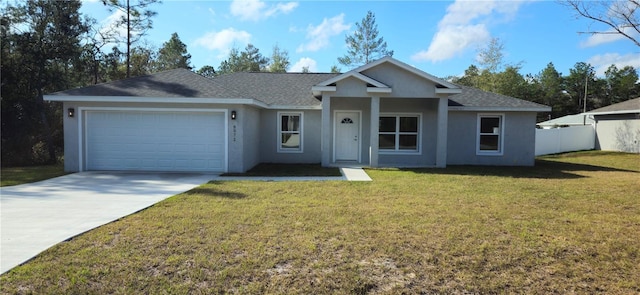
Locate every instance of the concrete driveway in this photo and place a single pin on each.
(39, 215)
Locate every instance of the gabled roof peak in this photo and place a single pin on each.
(358, 74)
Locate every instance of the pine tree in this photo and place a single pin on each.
(173, 55)
(136, 20)
(279, 60)
(364, 46)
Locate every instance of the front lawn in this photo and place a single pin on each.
(569, 225)
(19, 175)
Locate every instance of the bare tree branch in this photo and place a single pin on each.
(618, 15)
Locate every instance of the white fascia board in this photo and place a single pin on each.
(498, 109)
(136, 99)
(353, 74)
(378, 90)
(323, 88)
(288, 107)
(448, 90)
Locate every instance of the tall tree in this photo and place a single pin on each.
(136, 19)
(578, 85)
(40, 43)
(621, 84)
(114, 65)
(470, 77)
(364, 45)
(173, 55)
(620, 16)
(143, 60)
(207, 71)
(279, 60)
(249, 60)
(551, 85)
(491, 57)
(511, 83)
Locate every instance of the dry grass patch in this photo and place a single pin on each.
(568, 225)
(19, 175)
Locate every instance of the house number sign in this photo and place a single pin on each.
(234, 132)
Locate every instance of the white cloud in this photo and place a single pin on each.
(453, 40)
(109, 26)
(601, 62)
(255, 10)
(223, 41)
(319, 35)
(311, 64)
(465, 26)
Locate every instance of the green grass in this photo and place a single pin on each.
(279, 170)
(20, 175)
(569, 225)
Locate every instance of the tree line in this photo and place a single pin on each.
(564, 93)
(49, 46)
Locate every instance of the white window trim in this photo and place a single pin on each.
(279, 147)
(500, 150)
(397, 151)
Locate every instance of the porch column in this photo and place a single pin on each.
(373, 132)
(443, 119)
(325, 140)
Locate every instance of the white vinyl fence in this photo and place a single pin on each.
(568, 139)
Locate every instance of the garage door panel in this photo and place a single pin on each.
(155, 141)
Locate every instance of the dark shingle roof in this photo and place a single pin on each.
(285, 89)
(172, 83)
(628, 105)
(473, 97)
(292, 89)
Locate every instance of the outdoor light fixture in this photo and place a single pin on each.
(233, 115)
(72, 112)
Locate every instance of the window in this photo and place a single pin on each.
(290, 132)
(490, 129)
(399, 133)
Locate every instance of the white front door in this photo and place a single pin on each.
(347, 136)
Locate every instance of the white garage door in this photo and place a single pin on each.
(155, 141)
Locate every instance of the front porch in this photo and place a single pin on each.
(385, 113)
(414, 131)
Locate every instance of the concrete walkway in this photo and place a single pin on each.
(39, 215)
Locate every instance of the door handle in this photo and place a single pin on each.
(355, 138)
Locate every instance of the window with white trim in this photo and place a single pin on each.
(399, 133)
(290, 132)
(490, 130)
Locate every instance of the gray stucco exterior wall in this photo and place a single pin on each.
(519, 139)
(251, 140)
(618, 132)
(404, 84)
(268, 147)
(426, 108)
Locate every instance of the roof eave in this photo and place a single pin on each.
(614, 112)
(500, 109)
(138, 99)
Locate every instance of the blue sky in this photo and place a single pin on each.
(438, 37)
